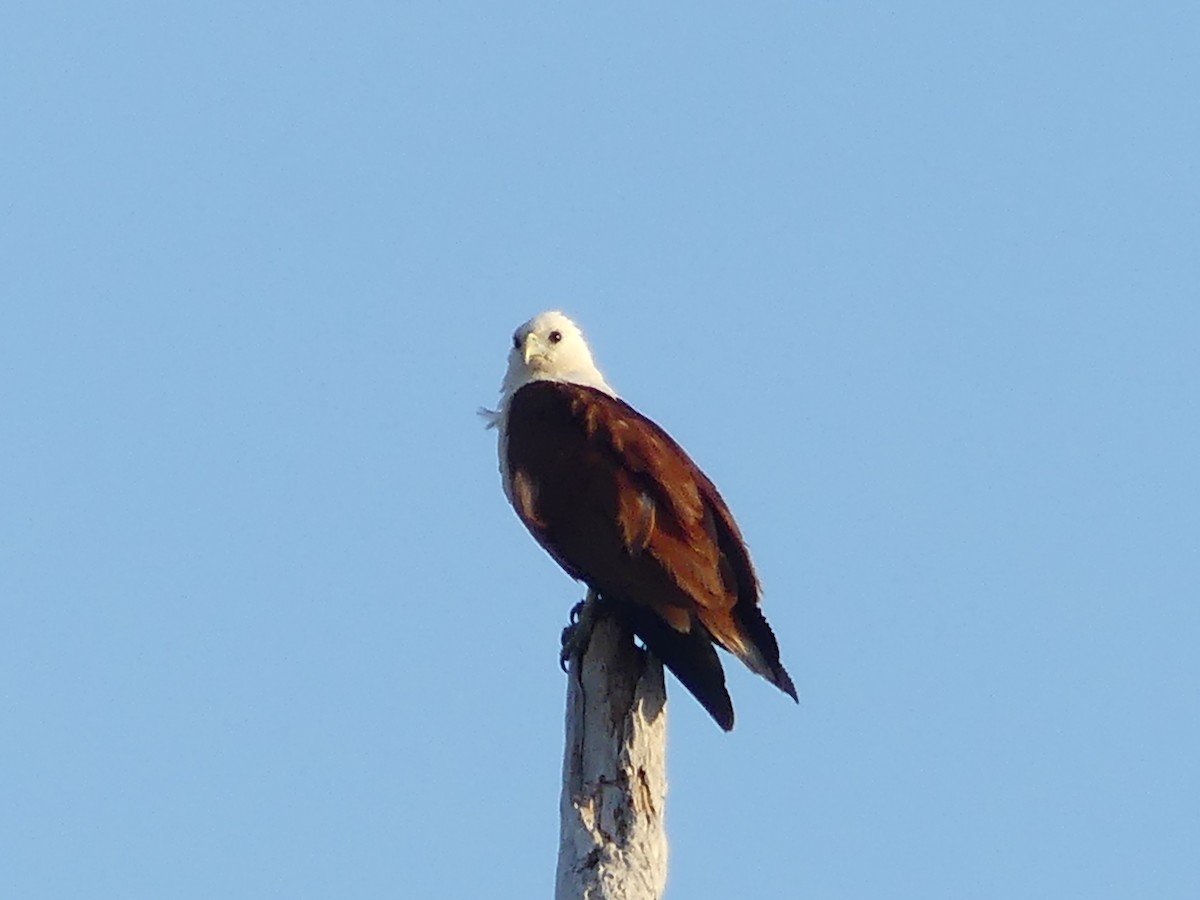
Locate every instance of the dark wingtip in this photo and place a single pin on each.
(764, 658)
(783, 681)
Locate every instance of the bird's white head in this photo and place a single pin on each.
(550, 347)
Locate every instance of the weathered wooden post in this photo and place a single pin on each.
(612, 835)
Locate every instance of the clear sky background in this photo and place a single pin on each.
(917, 287)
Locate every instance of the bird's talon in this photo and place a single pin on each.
(578, 633)
(565, 653)
(577, 612)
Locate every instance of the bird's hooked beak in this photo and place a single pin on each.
(533, 350)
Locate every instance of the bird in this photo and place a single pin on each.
(620, 506)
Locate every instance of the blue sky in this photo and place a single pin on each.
(917, 287)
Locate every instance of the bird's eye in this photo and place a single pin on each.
(517, 341)
(555, 337)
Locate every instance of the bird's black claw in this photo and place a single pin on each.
(577, 610)
(578, 633)
(565, 653)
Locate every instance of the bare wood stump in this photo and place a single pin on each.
(612, 837)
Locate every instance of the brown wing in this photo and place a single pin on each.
(620, 505)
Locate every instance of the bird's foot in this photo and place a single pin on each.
(578, 633)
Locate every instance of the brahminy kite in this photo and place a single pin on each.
(620, 506)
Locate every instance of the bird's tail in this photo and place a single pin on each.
(690, 656)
